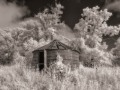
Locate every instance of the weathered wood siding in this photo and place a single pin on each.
(75, 59)
(69, 56)
(35, 61)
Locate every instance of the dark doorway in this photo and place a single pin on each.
(41, 60)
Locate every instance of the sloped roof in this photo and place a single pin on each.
(55, 44)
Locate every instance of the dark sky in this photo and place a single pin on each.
(72, 11)
(72, 8)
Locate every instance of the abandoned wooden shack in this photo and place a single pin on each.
(45, 55)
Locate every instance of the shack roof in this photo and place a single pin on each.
(55, 44)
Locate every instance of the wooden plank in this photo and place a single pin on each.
(45, 59)
(35, 59)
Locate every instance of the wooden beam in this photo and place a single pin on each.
(45, 59)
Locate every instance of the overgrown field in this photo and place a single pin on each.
(18, 77)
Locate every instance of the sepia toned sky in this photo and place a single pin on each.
(72, 8)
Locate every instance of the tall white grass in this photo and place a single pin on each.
(20, 77)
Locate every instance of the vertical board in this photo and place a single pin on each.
(45, 59)
(35, 59)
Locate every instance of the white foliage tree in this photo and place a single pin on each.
(90, 30)
(116, 52)
(29, 34)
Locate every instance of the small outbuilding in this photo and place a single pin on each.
(45, 55)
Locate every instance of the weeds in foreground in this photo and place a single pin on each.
(18, 77)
